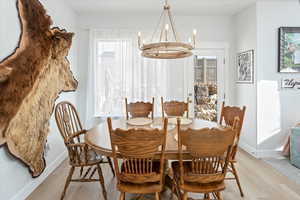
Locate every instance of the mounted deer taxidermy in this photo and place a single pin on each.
(31, 79)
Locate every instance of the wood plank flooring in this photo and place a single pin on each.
(259, 180)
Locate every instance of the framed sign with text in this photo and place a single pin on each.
(290, 83)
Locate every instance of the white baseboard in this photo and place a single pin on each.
(31, 186)
(248, 148)
(269, 154)
(260, 153)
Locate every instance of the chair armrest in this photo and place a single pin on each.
(81, 145)
(82, 132)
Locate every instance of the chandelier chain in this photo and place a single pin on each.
(167, 3)
(163, 23)
(157, 26)
(173, 26)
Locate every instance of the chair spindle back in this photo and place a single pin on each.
(228, 116)
(139, 109)
(136, 149)
(70, 128)
(175, 108)
(209, 149)
(67, 120)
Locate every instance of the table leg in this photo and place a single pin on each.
(171, 184)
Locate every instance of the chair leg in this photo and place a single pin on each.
(69, 178)
(206, 196)
(185, 196)
(214, 194)
(219, 195)
(101, 179)
(234, 171)
(111, 165)
(172, 192)
(157, 196)
(122, 196)
(175, 186)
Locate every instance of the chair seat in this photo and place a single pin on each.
(139, 183)
(92, 158)
(197, 187)
(138, 177)
(203, 188)
(144, 188)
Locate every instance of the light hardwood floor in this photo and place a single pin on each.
(259, 180)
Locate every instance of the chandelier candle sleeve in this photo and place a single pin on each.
(139, 39)
(194, 37)
(166, 32)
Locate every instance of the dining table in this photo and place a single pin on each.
(98, 137)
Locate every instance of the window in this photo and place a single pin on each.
(116, 75)
(205, 69)
(118, 71)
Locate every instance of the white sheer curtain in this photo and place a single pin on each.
(117, 70)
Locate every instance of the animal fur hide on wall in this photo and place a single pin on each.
(30, 81)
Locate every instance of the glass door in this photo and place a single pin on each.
(206, 85)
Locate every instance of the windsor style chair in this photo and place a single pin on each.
(139, 109)
(80, 154)
(135, 149)
(210, 150)
(228, 116)
(174, 108)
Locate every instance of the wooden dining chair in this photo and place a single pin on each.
(140, 171)
(139, 109)
(80, 155)
(228, 115)
(174, 108)
(205, 172)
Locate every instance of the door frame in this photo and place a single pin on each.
(221, 50)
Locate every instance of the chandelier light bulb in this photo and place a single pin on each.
(194, 37)
(167, 27)
(195, 32)
(139, 39)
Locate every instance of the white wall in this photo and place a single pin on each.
(245, 39)
(271, 112)
(15, 178)
(215, 29)
(278, 110)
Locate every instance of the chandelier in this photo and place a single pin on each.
(167, 44)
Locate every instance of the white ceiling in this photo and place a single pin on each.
(180, 7)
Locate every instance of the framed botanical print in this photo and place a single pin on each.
(245, 67)
(289, 50)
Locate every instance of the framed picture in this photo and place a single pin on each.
(245, 67)
(289, 50)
